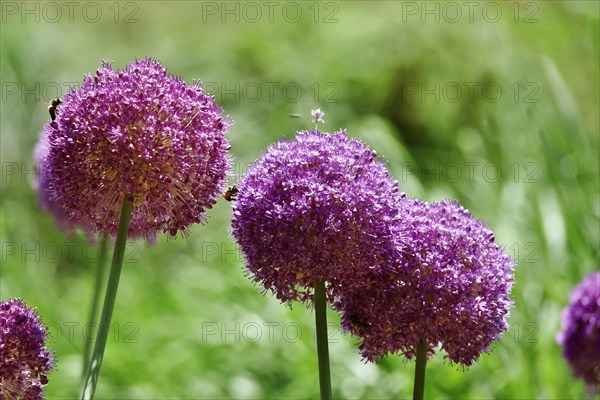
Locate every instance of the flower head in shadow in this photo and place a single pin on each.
(42, 183)
(450, 286)
(24, 359)
(580, 335)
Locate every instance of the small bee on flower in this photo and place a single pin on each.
(231, 193)
(53, 108)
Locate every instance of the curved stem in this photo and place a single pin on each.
(419, 388)
(93, 316)
(109, 301)
(322, 340)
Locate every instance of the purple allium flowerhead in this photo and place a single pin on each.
(450, 286)
(24, 359)
(580, 335)
(318, 208)
(142, 133)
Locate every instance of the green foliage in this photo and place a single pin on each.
(187, 320)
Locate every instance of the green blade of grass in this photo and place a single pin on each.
(93, 315)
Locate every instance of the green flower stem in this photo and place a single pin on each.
(93, 316)
(419, 388)
(109, 301)
(322, 340)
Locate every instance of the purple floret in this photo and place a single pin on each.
(450, 286)
(24, 359)
(318, 208)
(142, 133)
(580, 335)
(43, 182)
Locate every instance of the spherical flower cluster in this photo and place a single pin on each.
(319, 208)
(450, 286)
(24, 359)
(140, 133)
(580, 335)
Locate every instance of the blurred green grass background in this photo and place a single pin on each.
(188, 324)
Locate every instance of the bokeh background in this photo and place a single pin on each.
(494, 104)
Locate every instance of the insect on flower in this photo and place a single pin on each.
(357, 322)
(231, 193)
(53, 108)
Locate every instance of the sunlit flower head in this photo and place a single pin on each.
(318, 208)
(141, 133)
(450, 286)
(24, 359)
(580, 335)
